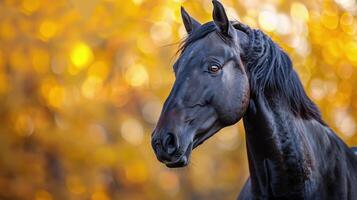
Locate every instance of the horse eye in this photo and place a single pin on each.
(213, 69)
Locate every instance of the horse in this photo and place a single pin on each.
(227, 71)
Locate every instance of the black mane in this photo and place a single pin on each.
(270, 69)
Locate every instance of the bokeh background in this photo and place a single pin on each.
(82, 83)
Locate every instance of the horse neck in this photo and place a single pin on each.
(279, 152)
(278, 165)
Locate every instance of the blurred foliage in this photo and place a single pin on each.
(82, 84)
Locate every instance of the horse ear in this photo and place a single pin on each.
(190, 23)
(221, 20)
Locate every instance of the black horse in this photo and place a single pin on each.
(227, 71)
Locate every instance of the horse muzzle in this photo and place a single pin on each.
(169, 151)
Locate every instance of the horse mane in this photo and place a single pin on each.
(269, 67)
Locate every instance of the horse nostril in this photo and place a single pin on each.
(170, 143)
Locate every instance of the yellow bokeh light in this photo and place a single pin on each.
(132, 131)
(348, 23)
(351, 51)
(284, 25)
(48, 29)
(56, 96)
(24, 125)
(81, 55)
(151, 111)
(90, 86)
(346, 19)
(46, 86)
(299, 11)
(267, 20)
(137, 75)
(30, 6)
(344, 122)
(161, 32)
(137, 2)
(144, 44)
(330, 19)
(40, 60)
